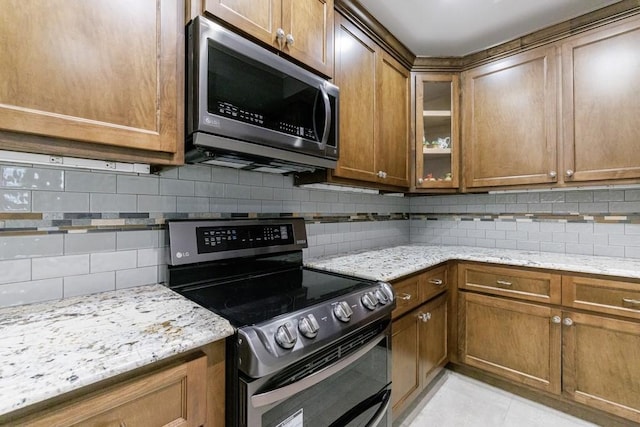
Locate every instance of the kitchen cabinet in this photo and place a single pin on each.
(302, 29)
(187, 391)
(573, 336)
(374, 110)
(437, 137)
(419, 334)
(600, 363)
(175, 395)
(101, 80)
(516, 340)
(509, 120)
(600, 83)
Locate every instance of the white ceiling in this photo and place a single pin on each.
(460, 27)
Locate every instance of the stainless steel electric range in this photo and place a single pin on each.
(311, 348)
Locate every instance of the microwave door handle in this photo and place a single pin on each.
(272, 396)
(327, 115)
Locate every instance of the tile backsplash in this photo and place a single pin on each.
(67, 232)
(587, 222)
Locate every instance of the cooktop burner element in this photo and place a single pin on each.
(251, 273)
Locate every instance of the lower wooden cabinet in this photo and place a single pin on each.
(419, 350)
(600, 363)
(516, 340)
(583, 349)
(173, 396)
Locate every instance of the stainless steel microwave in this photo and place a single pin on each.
(249, 108)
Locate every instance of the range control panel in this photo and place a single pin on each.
(226, 238)
(202, 240)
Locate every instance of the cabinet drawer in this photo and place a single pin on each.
(433, 282)
(511, 282)
(620, 298)
(407, 295)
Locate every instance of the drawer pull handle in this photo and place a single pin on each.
(632, 303)
(405, 297)
(437, 282)
(503, 283)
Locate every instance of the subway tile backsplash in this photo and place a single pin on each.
(88, 232)
(67, 232)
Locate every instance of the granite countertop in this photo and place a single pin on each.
(48, 349)
(395, 262)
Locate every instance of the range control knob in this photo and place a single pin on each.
(369, 300)
(308, 326)
(384, 294)
(342, 311)
(286, 335)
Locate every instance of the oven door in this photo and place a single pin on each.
(327, 389)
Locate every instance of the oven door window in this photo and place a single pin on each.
(354, 396)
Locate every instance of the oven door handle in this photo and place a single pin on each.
(382, 398)
(272, 396)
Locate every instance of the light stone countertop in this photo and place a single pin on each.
(51, 348)
(392, 263)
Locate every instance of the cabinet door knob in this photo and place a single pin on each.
(424, 317)
(553, 174)
(290, 39)
(556, 319)
(280, 37)
(405, 297)
(567, 321)
(437, 282)
(569, 173)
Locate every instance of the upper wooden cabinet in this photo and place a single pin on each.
(600, 87)
(509, 120)
(374, 110)
(303, 29)
(109, 74)
(437, 124)
(515, 133)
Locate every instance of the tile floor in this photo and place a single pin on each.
(459, 401)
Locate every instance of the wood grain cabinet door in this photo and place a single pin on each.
(310, 24)
(258, 18)
(356, 64)
(509, 120)
(516, 340)
(601, 103)
(392, 147)
(104, 72)
(433, 338)
(405, 367)
(600, 363)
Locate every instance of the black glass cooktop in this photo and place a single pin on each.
(251, 300)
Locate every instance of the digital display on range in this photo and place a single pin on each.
(225, 238)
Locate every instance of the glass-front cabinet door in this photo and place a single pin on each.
(437, 139)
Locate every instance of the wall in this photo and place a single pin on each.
(591, 222)
(66, 232)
